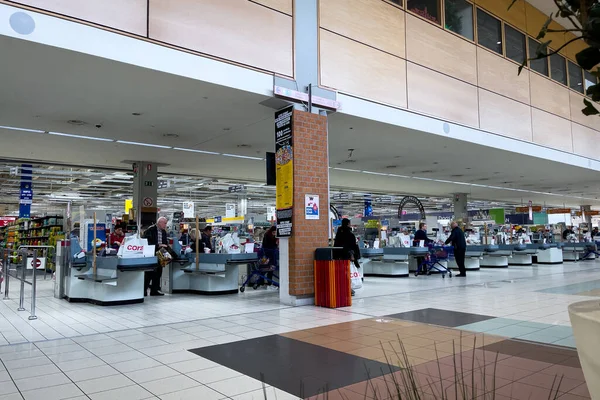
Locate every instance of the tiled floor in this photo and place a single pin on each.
(519, 314)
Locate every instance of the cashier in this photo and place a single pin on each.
(206, 238)
(117, 237)
(567, 232)
(421, 234)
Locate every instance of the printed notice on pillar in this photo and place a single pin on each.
(284, 161)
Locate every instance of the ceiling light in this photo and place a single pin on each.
(374, 173)
(347, 170)
(77, 122)
(144, 144)
(246, 157)
(195, 151)
(81, 137)
(12, 128)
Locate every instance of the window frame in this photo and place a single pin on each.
(440, 24)
(550, 67)
(529, 40)
(473, 20)
(582, 82)
(502, 50)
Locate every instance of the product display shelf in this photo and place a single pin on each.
(43, 231)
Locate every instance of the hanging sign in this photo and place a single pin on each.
(559, 211)
(26, 193)
(284, 161)
(577, 213)
(526, 209)
(229, 210)
(311, 206)
(6, 220)
(188, 209)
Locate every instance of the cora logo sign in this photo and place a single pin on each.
(135, 248)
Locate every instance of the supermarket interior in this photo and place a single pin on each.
(268, 221)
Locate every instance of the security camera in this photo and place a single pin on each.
(98, 126)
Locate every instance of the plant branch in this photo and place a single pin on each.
(563, 46)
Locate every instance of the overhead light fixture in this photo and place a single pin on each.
(160, 146)
(12, 128)
(245, 157)
(80, 137)
(347, 170)
(195, 151)
(374, 173)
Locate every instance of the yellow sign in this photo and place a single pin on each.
(284, 162)
(128, 205)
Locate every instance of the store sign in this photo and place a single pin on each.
(271, 214)
(229, 210)
(526, 209)
(26, 193)
(577, 213)
(218, 220)
(164, 184)
(177, 217)
(7, 220)
(284, 161)
(311, 206)
(559, 211)
(188, 209)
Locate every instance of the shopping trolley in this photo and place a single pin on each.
(432, 262)
(264, 270)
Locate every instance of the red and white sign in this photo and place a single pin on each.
(133, 247)
(7, 220)
(148, 202)
(40, 263)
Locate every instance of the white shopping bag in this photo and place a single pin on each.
(355, 280)
(134, 247)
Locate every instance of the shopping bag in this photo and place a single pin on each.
(355, 280)
(134, 247)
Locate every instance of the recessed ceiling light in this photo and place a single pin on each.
(195, 151)
(81, 137)
(144, 144)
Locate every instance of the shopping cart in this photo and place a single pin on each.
(264, 271)
(432, 262)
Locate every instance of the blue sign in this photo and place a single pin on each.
(218, 220)
(368, 207)
(26, 193)
(100, 234)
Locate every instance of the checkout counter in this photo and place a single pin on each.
(215, 273)
(473, 256)
(391, 261)
(495, 257)
(521, 255)
(117, 280)
(579, 251)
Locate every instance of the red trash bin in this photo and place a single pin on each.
(332, 278)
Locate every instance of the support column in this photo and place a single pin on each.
(311, 177)
(145, 185)
(585, 212)
(460, 208)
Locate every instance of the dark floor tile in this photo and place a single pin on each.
(441, 317)
(536, 351)
(299, 368)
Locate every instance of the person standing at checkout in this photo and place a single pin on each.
(457, 238)
(156, 236)
(421, 235)
(206, 239)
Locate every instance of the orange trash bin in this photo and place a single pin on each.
(332, 278)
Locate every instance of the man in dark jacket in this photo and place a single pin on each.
(157, 236)
(206, 239)
(346, 239)
(457, 238)
(421, 234)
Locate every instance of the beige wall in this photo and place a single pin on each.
(257, 34)
(449, 77)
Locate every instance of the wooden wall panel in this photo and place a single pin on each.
(577, 105)
(285, 6)
(372, 22)
(586, 142)
(535, 21)
(501, 76)
(549, 96)
(552, 131)
(129, 16)
(516, 15)
(432, 93)
(240, 31)
(504, 116)
(575, 47)
(354, 68)
(430, 46)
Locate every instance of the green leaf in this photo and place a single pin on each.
(594, 92)
(588, 58)
(542, 50)
(544, 29)
(589, 108)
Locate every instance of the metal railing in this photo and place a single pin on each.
(23, 252)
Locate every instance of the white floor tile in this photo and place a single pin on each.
(23, 373)
(103, 384)
(195, 364)
(152, 374)
(169, 385)
(213, 374)
(237, 385)
(80, 364)
(135, 365)
(134, 392)
(271, 394)
(7, 387)
(179, 356)
(38, 382)
(91, 373)
(53, 393)
(195, 393)
(121, 357)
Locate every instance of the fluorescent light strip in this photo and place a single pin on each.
(374, 173)
(13, 128)
(245, 157)
(195, 151)
(144, 144)
(80, 137)
(347, 170)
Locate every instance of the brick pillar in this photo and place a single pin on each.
(311, 176)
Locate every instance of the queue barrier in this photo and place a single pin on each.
(6, 270)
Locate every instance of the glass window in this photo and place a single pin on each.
(540, 65)
(575, 77)
(428, 9)
(399, 2)
(589, 79)
(459, 17)
(558, 68)
(515, 41)
(489, 31)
